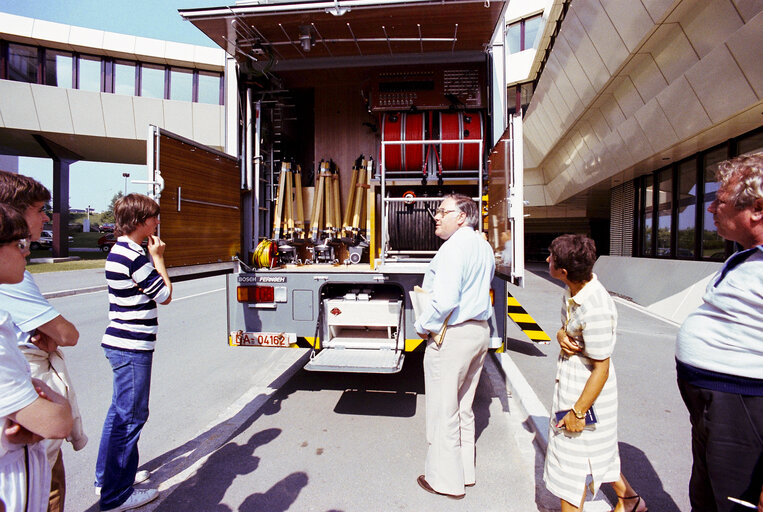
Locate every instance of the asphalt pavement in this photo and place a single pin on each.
(61, 284)
(654, 430)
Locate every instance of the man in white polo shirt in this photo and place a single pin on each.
(719, 352)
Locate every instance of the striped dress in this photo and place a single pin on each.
(591, 319)
(134, 289)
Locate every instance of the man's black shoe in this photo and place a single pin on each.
(428, 488)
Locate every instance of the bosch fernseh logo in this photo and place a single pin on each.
(336, 311)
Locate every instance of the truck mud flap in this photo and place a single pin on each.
(356, 361)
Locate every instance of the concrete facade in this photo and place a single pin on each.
(630, 84)
(101, 126)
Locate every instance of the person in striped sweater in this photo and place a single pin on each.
(135, 285)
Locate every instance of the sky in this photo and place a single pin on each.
(93, 183)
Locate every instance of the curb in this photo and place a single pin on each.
(538, 417)
(532, 408)
(62, 259)
(77, 291)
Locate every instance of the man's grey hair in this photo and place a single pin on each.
(743, 178)
(469, 207)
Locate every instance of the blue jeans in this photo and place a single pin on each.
(118, 452)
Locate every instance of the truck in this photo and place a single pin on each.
(346, 123)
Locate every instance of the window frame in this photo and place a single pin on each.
(107, 74)
(731, 147)
(523, 44)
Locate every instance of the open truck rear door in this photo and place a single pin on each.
(198, 191)
(506, 230)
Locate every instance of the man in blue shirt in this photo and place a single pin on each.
(719, 352)
(458, 281)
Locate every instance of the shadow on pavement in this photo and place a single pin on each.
(527, 348)
(212, 442)
(363, 402)
(481, 405)
(206, 488)
(279, 497)
(644, 480)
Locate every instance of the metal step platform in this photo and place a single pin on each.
(356, 361)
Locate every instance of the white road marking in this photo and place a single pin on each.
(197, 294)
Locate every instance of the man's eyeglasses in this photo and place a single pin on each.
(442, 212)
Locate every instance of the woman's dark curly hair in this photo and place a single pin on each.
(576, 254)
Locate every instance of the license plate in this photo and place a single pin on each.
(262, 339)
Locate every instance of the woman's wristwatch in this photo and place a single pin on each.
(578, 415)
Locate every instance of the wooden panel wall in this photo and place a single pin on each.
(198, 233)
(340, 112)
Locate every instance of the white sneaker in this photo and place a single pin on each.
(140, 477)
(138, 498)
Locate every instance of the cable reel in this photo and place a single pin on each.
(265, 255)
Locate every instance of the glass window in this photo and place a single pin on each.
(181, 84)
(22, 63)
(124, 78)
(209, 88)
(89, 78)
(532, 27)
(687, 207)
(664, 211)
(751, 144)
(514, 37)
(648, 216)
(58, 69)
(713, 246)
(521, 35)
(152, 81)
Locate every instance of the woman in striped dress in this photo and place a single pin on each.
(585, 378)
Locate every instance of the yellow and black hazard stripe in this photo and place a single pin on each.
(522, 318)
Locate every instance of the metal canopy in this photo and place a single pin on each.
(278, 32)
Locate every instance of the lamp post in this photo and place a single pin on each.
(86, 227)
(125, 175)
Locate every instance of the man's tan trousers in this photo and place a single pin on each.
(451, 374)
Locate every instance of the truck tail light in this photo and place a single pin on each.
(255, 294)
(492, 297)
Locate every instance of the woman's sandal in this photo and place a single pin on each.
(635, 507)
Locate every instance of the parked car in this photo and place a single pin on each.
(46, 241)
(106, 228)
(106, 242)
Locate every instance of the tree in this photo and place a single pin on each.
(108, 215)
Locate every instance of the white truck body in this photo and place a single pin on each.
(411, 86)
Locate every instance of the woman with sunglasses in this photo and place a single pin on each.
(29, 410)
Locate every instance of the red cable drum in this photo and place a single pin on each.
(460, 126)
(405, 126)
